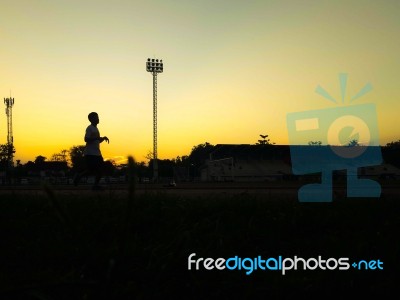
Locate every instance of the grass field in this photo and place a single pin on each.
(112, 245)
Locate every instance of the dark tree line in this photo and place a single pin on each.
(72, 160)
(6, 153)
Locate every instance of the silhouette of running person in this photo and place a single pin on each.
(93, 158)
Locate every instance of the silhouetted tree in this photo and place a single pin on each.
(39, 160)
(109, 167)
(395, 144)
(391, 153)
(19, 169)
(77, 158)
(61, 156)
(166, 168)
(264, 141)
(181, 160)
(149, 156)
(30, 166)
(353, 143)
(199, 155)
(314, 143)
(6, 153)
(142, 170)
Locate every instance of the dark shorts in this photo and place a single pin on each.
(94, 163)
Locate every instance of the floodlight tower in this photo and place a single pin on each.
(154, 66)
(9, 102)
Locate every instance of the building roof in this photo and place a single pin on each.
(247, 151)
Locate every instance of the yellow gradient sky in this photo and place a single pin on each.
(233, 69)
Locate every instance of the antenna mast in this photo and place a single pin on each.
(9, 102)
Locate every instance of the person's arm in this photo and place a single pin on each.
(104, 138)
(92, 135)
(96, 138)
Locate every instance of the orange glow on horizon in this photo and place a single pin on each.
(230, 74)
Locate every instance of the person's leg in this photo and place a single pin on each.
(90, 168)
(99, 171)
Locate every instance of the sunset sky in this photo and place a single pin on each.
(232, 69)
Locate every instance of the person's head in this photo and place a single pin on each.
(93, 118)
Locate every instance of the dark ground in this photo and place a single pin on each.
(67, 243)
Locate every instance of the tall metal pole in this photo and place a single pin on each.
(154, 66)
(155, 156)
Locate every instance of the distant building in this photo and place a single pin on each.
(247, 163)
(244, 162)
